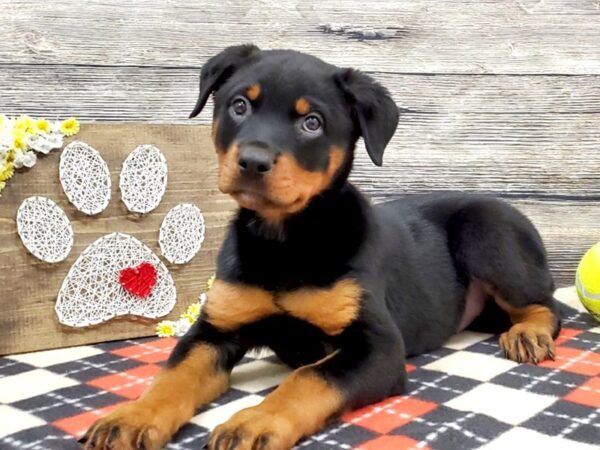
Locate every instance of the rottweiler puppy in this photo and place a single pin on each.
(340, 290)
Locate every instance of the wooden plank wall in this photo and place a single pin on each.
(497, 96)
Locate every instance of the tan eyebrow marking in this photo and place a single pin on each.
(253, 91)
(302, 106)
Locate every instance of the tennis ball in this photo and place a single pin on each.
(587, 281)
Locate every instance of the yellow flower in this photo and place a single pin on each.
(18, 132)
(1, 121)
(189, 317)
(7, 172)
(194, 310)
(165, 328)
(10, 156)
(24, 123)
(19, 142)
(42, 126)
(69, 127)
(210, 281)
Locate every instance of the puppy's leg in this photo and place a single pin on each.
(531, 338)
(298, 407)
(495, 245)
(197, 372)
(369, 368)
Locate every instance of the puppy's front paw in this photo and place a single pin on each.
(130, 427)
(254, 429)
(525, 343)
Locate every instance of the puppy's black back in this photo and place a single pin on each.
(436, 244)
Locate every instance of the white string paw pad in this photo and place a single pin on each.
(181, 233)
(143, 179)
(85, 177)
(94, 290)
(44, 229)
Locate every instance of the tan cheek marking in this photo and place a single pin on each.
(336, 159)
(302, 106)
(228, 168)
(292, 185)
(305, 182)
(290, 181)
(332, 310)
(253, 91)
(229, 306)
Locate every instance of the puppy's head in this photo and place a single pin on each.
(285, 125)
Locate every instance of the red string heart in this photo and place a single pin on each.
(139, 280)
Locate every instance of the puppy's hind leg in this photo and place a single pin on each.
(495, 245)
(531, 337)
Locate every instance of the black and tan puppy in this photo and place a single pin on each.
(341, 290)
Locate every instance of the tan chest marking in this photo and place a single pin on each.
(332, 309)
(231, 306)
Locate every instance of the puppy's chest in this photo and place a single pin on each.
(231, 306)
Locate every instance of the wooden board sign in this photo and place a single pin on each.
(29, 286)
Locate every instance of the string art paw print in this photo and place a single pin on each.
(116, 275)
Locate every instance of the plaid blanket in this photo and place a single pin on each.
(462, 396)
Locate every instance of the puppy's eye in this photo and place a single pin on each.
(312, 123)
(239, 106)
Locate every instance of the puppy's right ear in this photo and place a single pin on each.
(219, 68)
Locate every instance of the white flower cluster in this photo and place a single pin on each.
(178, 327)
(23, 137)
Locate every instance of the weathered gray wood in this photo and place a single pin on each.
(522, 36)
(169, 94)
(528, 155)
(530, 135)
(519, 136)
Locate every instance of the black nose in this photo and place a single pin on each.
(255, 160)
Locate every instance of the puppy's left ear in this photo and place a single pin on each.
(219, 68)
(374, 112)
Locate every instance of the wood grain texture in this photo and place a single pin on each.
(168, 94)
(496, 96)
(568, 229)
(474, 36)
(28, 321)
(526, 156)
(502, 134)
